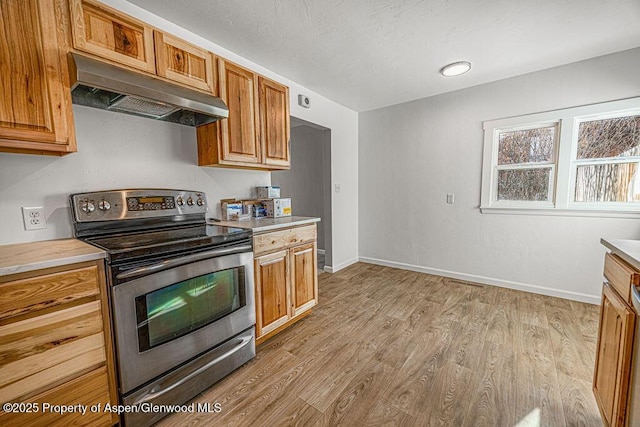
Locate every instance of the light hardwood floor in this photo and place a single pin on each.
(399, 348)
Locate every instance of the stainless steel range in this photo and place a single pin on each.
(181, 292)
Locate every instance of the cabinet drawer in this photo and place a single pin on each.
(277, 240)
(44, 350)
(88, 390)
(620, 275)
(35, 293)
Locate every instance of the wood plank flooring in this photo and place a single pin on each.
(388, 347)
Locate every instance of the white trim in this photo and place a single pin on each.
(330, 269)
(592, 213)
(575, 296)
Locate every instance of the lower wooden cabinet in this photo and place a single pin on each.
(55, 345)
(286, 278)
(615, 345)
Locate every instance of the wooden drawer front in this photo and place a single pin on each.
(88, 390)
(184, 63)
(620, 275)
(31, 294)
(43, 350)
(277, 240)
(104, 32)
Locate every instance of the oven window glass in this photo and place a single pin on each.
(176, 310)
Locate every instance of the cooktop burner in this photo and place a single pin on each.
(162, 242)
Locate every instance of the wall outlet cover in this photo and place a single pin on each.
(34, 218)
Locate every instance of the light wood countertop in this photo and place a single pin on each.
(628, 250)
(23, 257)
(261, 225)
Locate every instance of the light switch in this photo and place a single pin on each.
(450, 198)
(337, 186)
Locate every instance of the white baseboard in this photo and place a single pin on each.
(320, 251)
(330, 269)
(576, 296)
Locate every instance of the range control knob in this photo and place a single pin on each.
(200, 202)
(88, 207)
(104, 205)
(190, 201)
(180, 201)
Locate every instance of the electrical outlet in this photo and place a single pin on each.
(34, 218)
(337, 187)
(450, 198)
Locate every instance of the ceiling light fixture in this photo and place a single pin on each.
(455, 69)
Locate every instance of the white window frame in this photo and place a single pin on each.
(563, 174)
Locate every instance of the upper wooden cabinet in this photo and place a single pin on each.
(35, 101)
(115, 37)
(256, 133)
(274, 122)
(184, 63)
(239, 133)
(109, 34)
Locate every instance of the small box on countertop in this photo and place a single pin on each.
(277, 208)
(231, 207)
(268, 192)
(255, 208)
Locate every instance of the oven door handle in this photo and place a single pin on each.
(181, 261)
(149, 397)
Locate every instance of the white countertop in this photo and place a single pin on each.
(628, 250)
(260, 225)
(24, 257)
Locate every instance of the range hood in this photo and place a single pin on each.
(105, 86)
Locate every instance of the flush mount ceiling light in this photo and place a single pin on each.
(455, 69)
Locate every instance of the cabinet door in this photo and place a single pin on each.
(613, 358)
(274, 123)
(304, 278)
(239, 136)
(35, 105)
(272, 291)
(111, 35)
(184, 63)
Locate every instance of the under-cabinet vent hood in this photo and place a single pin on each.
(105, 86)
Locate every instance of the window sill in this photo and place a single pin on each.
(540, 211)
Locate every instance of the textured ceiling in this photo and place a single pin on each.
(369, 54)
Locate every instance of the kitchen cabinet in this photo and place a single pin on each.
(286, 278)
(121, 39)
(615, 342)
(274, 123)
(112, 35)
(55, 344)
(184, 63)
(256, 133)
(35, 107)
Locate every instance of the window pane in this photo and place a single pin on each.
(618, 137)
(526, 146)
(608, 183)
(524, 184)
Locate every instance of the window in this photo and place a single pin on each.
(577, 161)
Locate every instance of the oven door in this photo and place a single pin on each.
(166, 318)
